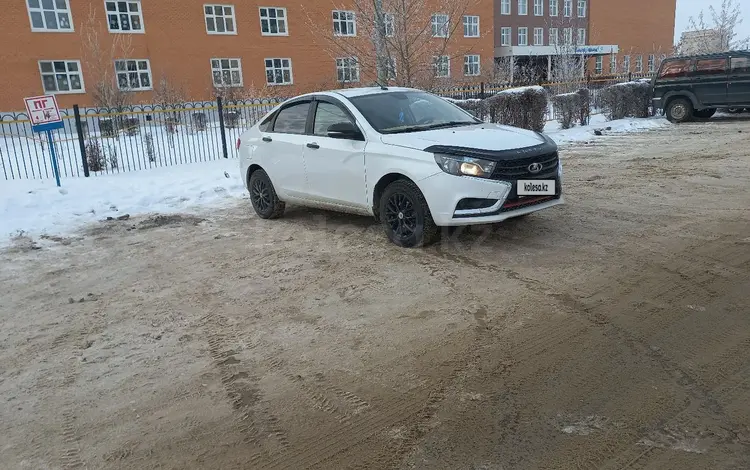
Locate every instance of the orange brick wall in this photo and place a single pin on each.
(178, 47)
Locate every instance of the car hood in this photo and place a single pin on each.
(480, 138)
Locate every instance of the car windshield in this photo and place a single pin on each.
(410, 111)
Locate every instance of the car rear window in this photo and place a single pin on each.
(710, 66)
(741, 64)
(675, 68)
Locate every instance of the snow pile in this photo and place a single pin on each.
(599, 122)
(524, 89)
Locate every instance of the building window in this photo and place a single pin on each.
(273, 21)
(554, 36)
(554, 7)
(471, 26)
(523, 7)
(538, 36)
(124, 17)
(226, 72)
(538, 7)
(568, 8)
(505, 7)
(568, 36)
(581, 36)
(347, 69)
(389, 21)
(651, 63)
(505, 34)
(48, 15)
(440, 26)
(613, 64)
(61, 76)
(344, 23)
(133, 75)
(599, 65)
(442, 65)
(278, 71)
(626, 64)
(471, 65)
(639, 64)
(581, 8)
(523, 36)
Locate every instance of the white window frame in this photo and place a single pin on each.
(523, 7)
(220, 68)
(437, 61)
(538, 36)
(389, 22)
(68, 73)
(626, 64)
(56, 11)
(567, 8)
(471, 24)
(525, 31)
(349, 19)
(582, 8)
(506, 36)
(138, 71)
(613, 64)
(505, 8)
(568, 36)
(268, 19)
(470, 62)
(554, 7)
(651, 63)
(554, 36)
(344, 65)
(538, 7)
(440, 23)
(639, 64)
(581, 37)
(130, 14)
(282, 68)
(599, 65)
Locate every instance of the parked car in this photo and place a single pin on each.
(695, 87)
(411, 159)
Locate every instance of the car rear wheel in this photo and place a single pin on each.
(679, 110)
(705, 113)
(263, 196)
(406, 217)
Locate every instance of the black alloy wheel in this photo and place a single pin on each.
(406, 216)
(263, 196)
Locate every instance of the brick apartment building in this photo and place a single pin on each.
(196, 44)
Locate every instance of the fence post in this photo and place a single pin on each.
(481, 91)
(220, 106)
(81, 140)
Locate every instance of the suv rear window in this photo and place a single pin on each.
(740, 64)
(675, 68)
(710, 66)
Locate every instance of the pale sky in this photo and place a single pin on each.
(688, 8)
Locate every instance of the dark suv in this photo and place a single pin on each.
(695, 87)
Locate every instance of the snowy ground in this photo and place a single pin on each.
(37, 207)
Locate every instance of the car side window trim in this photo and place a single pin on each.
(333, 101)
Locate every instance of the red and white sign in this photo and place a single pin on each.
(43, 109)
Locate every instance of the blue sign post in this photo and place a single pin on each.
(44, 115)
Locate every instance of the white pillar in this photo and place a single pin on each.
(512, 68)
(549, 68)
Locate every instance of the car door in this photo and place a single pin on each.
(739, 81)
(335, 166)
(282, 146)
(710, 81)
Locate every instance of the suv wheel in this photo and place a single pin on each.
(406, 217)
(679, 110)
(705, 113)
(263, 196)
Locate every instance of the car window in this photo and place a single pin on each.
(409, 111)
(265, 126)
(326, 115)
(710, 66)
(741, 64)
(675, 68)
(293, 119)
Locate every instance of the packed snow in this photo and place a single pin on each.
(37, 207)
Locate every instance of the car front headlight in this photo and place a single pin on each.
(465, 166)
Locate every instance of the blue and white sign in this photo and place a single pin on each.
(597, 50)
(45, 116)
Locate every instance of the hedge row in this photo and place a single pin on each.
(630, 99)
(519, 107)
(572, 107)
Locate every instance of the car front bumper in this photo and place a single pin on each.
(444, 192)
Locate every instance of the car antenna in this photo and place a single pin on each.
(382, 87)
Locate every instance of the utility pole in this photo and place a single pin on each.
(381, 51)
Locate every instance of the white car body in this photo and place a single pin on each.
(346, 175)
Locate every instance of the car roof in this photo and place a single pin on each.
(362, 91)
(716, 55)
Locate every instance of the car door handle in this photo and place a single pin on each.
(267, 139)
(313, 145)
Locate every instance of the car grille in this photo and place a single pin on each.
(519, 168)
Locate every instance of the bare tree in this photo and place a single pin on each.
(401, 40)
(567, 68)
(718, 34)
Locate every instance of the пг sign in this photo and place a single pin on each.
(42, 109)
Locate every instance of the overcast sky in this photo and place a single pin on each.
(688, 8)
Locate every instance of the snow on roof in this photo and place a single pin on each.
(524, 89)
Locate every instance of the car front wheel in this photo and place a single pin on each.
(406, 217)
(263, 196)
(679, 110)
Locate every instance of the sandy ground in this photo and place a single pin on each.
(612, 332)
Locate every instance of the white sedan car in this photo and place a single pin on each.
(414, 161)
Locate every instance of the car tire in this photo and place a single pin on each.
(679, 110)
(263, 196)
(705, 113)
(406, 217)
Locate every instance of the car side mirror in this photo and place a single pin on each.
(344, 130)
